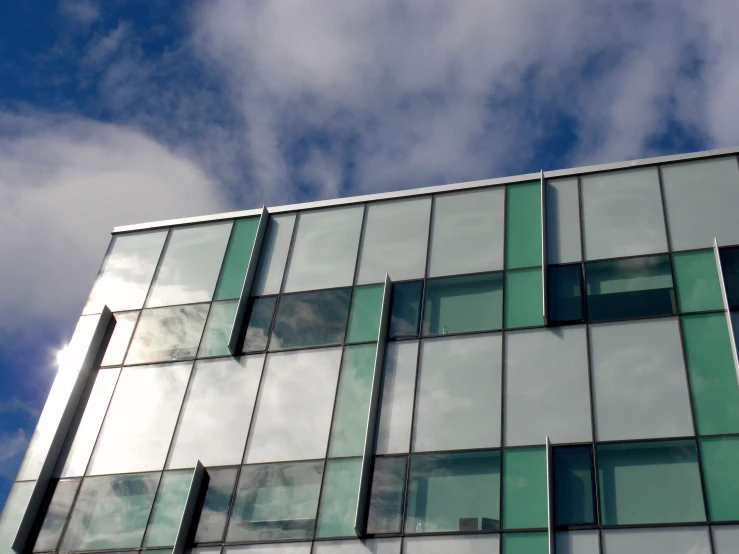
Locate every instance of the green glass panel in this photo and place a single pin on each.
(720, 463)
(525, 543)
(523, 225)
(525, 488)
(364, 317)
(461, 304)
(352, 401)
(574, 486)
(696, 280)
(523, 298)
(168, 508)
(218, 329)
(713, 380)
(237, 258)
(339, 499)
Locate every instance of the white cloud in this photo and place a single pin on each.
(83, 12)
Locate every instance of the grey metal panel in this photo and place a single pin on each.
(183, 531)
(360, 517)
(544, 291)
(238, 329)
(725, 298)
(550, 497)
(77, 368)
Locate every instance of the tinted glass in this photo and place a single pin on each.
(275, 501)
(454, 492)
(339, 498)
(364, 318)
(574, 486)
(168, 507)
(217, 501)
(386, 495)
(563, 221)
(405, 309)
(720, 462)
(359, 546)
(479, 544)
(725, 539)
(680, 540)
(396, 402)
(565, 293)
(116, 351)
(461, 304)
(167, 334)
(260, 321)
(730, 267)
(577, 542)
(190, 266)
(239, 250)
(525, 543)
(311, 319)
(13, 511)
(696, 281)
(523, 225)
(524, 305)
(280, 548)
(273, 255)
(631, 288)
(56, 515)
(525, 488)
(218, 329)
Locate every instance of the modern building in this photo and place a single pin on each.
(542, 363)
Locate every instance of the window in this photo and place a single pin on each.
(339, 499)
(118, 344)
(236, 262)
(730, 267)
(386, 494)
(525, 543)
(462, 304)
(56, 515)
(259, 324)
(524, 303)
(396, 401)
(525, 488)
(273, 255)
(217, 501)
(725, 538)
(405, 309)
(218, 329)
(673, 540)
(563, 221)
(13, 511)
(523, 225)
(565, 292)
(574, 485)
(475, 544)
(577, 542)
(364, 317)
(720, 461)
(311, 319)
(168, 507)
(359, 546)
(696, 281)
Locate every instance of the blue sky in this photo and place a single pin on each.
(121, 112)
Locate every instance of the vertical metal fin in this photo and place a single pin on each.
(727, 310)
(188, 513)
(236, 340)
(365, 476)
(550, 497)
(544, 287)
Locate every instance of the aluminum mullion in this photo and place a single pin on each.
(550, 496)
(727, 310)
(199, 479)
(544, 284)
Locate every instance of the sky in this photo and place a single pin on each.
(113, 113)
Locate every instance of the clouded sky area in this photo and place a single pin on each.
(118, 112)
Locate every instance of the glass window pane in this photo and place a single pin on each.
(395, 238)
(405, 309)
(563, 221)
(577, 542)
(239, 250)
(730, 269)
(386, 495)
(649, 482)
(12, 513)
(126, 273)
(673, 540)
(311, 319)
(191, 263)
(260, 321)
(56, 515)
(696, 281)
(632, 288)
(275, 501)
(168, 508)
(325, 249)
(116, 350)
(725, 539)
(217, 412)
(396, 402)
(565, 290)
(293, 413)
(458, 403)
(639, 383)
(339, 498)
(524, 303)
(525, 543)
(701, 199)
(547, 391)
(359, 546)
(273, 255)
(461, 304)
(467, 232)
(217, 501)
(111, 512)
(713, 379)
(574, 488)
(622, 214)
(218, 329)
(352, 401)
(458, 491)
(280, 548)
(525, 488)
(475, 544)
(523, 222)
(720, 463)
(141, 419)
(167, 334)
(364, 318)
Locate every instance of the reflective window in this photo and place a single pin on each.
(395, 238)
(523, 225)
(111, 512)
(565, 293)
(563, 221)
(260, 321)
(458, 404)
(631, 288)
(467, 232)
(126, 273)
(574, 485)
(639, 383)
(649, 482)
(339, 498)
(217, 412)
(460, 304)
(701, 199)
(191, 264)
(396, 401)
(547, 391)
(525, 488)
(167, 334)
(168, 508)
(577, 542)
(116, 350)
(622, 214)
(56, 515)
(696, 281)
(386, 494)
(12, 513)
(357, 546)
(672, 540)
(364, 318)
(293, 413)
(141, 419)
(275, 501)
(475, 544)
(730, 268)
(524, 302)
(720, 462)
(458, 491)
(237, 257)
(405, 309)
(218, 329)
(217, 501)
(273, 255)
(311, 319)
(280, 548)
(325, 249)
(525, 543)
(725, 538)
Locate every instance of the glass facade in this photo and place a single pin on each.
(597, 321)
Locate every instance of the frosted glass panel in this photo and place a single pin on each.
(577, 542)
(273, 256)
(396, 403)
(726, 539)
(459, 545)
(366, 546)
(675, 540)
(563, 222)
